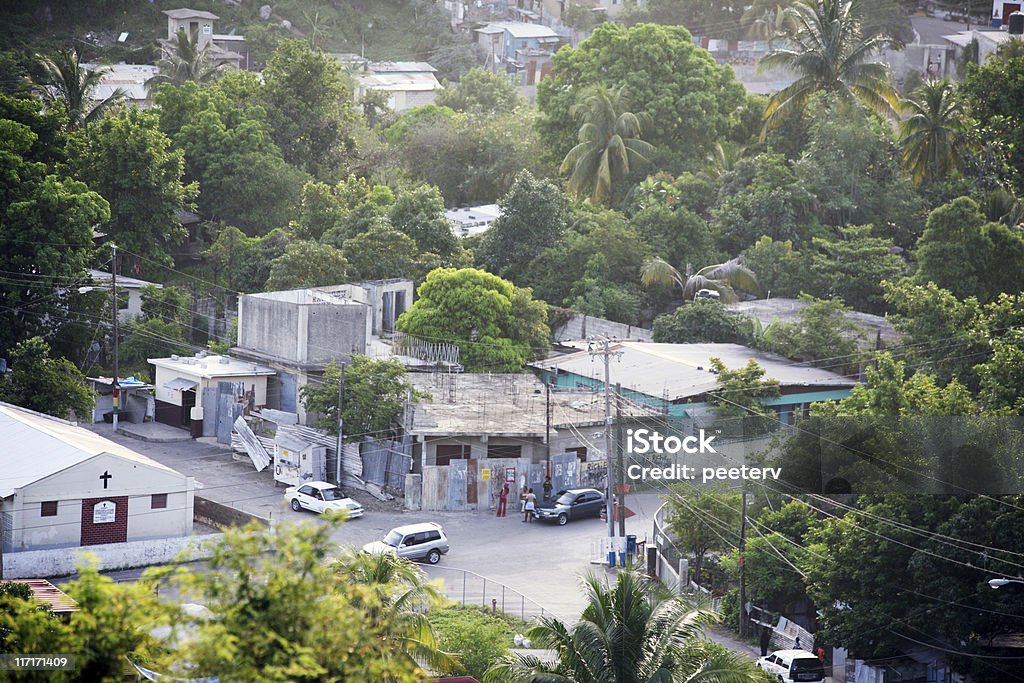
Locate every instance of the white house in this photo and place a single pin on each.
(407, 84)
(228, 49)
(469, 221)
(181, 382)
(130, 306)
(64, 486)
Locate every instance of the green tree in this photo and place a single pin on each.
(132, 164)
(46, 225)
(479, 637)
(48, 385)
(677, 235)
(824, 333)
(763, 196)
(242, 263)
(610, 145)
(497, 326)
(400, 590)
(222, 128)
(960, 252)
(64, 81)
(380, 253)
(283, 613)
(700, 321)
(481, 91)
(933, 133)
(830, 52)
(781, 270)
(419, 213)
(113, 621)
(742, 392)
(724, 278)
(702, 520)
(307, 264)
(373, 396)
(687, 96)
(533, 216)
(632, 630)
(184, 60)
(309, 107)
(993, 93)
(151, 338)
(852, 264)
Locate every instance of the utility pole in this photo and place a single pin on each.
(743, 563)
(339, 470)
(547, 419)
(621, 478)
(606, 353)
(113, 285)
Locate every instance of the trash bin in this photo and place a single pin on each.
(611, 557)
(631, 544)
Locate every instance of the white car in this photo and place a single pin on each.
(424, 541)
(319, 496)
(793, 666)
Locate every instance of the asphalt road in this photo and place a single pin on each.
(931, 29)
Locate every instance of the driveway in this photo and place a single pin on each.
(542, 561)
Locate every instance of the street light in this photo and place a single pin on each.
(999, 583)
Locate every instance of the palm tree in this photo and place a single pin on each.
(768, 20)
(610, 144)
(724, 278)
(634, 631)
(829, 51)
(722, 158)
(185, 62)
(398, 585)
(934, 134)
(64, 81)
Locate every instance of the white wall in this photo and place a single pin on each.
(60, 562)
(165, 375)
(69, 487)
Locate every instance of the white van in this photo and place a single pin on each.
(793, 666)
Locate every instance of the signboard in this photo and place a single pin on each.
(510, 474)
(104, 512)
(485, 475)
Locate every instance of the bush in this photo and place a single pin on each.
(474, 634)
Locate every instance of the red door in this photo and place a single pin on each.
(104, 520)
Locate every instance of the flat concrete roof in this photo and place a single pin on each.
(209, 367)
(511, 405)
(683, 371)
(186, 13)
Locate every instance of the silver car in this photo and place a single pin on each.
(424, 541)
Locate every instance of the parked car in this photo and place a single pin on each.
(572, 504)
(793, 666)
(319, 496)
(424, 541)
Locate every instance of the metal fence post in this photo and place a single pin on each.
(483, 597)
(463, 588)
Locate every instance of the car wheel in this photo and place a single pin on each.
(296, 505)
(563, 519)
(434, 556)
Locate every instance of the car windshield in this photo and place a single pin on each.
(809, 664)
(566, 498)
(393, 539)
(333, 493)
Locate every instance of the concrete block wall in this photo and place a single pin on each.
(34, 564)
(583, 326)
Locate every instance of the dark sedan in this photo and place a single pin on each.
(572, 504)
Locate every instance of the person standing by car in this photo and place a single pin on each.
(503, 500)
(547, 489)
(529, 506)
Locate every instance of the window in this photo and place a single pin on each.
(306, 490)
(445, 454)
(504, 451)
(432, 536)
(580, 451)
(48, 508)
(159, 501)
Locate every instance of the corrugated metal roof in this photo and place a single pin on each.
(26, 435)
(46, 593)
(683, 371)
(186, 13)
